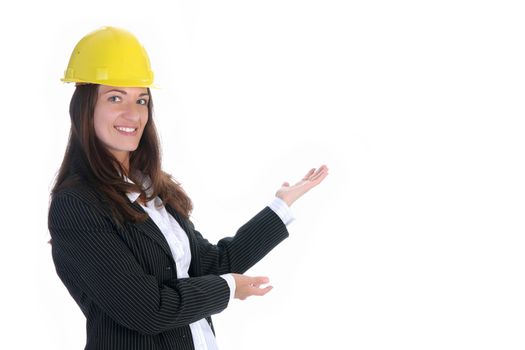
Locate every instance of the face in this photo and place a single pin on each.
(121, 113)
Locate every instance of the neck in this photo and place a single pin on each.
(123, 159)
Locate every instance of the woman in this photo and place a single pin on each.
(122, 240)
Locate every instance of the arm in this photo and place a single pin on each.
(251, 243)
(96, 266)
(258, 236)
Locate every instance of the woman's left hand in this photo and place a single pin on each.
(290, 194)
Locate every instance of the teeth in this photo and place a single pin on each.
(125, 129)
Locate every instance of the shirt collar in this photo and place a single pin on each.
(146, 181)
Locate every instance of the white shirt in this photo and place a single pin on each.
(203, 337)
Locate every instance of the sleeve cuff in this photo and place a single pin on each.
(282, 209)
(231, 283)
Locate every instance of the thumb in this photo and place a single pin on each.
(285, 184)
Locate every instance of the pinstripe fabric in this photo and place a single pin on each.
(124, 279)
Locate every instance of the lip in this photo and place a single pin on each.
(133, 133)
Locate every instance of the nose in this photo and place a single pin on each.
(134, 112)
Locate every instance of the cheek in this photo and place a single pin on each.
(144, 118)
(101, 122)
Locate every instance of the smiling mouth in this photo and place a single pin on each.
(126, 131)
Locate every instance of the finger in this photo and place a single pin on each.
(319, 173)
(257, 281)
(308, 174)
(263, 291)
(319, 177)
(313, 175)
(285, 184)
(322, 168)
(260, 291)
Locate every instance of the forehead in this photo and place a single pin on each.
(123, 90)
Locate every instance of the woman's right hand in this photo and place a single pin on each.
(246, 286)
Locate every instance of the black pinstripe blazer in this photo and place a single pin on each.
(124, 278)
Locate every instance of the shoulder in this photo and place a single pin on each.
(77, 203)
(80, 191)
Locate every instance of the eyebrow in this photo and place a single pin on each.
(124, 92)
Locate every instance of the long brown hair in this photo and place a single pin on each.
(87, 160)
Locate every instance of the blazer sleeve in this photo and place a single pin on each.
(94, 263)
(251, 243)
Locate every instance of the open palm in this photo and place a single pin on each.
(290, 194)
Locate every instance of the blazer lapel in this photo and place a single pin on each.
(177, 217)
(149, 228)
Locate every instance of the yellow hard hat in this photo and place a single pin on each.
(110, 56)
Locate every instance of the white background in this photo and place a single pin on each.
(416, 238)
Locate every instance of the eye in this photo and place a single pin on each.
(112, 98)
(143, 102)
